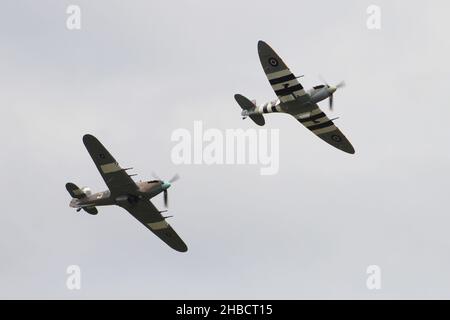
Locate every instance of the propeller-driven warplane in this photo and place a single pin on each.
(126, 193)
(294, 100)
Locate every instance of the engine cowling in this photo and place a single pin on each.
(319, 93)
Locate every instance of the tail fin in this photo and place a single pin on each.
(249, 106)
(74, 191)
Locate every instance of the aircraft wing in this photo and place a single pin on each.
(324, 128)
(282, 80)
(116, 178)
(146, 213)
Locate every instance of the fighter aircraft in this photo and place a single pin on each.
(124, 192)
(294, 100)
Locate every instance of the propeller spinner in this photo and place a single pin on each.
(332, 90)
(166, 185)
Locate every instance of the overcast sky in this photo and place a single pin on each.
(138, 70)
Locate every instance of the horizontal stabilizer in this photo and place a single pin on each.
(74, 191)
(246, 104)
(258, 119)
(91, 210)
(243, 102)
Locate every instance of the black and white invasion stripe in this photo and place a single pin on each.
(316, 121)
(269, 107)
(285, 85)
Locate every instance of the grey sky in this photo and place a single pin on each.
(137, 70)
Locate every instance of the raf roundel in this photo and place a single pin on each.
(273, 62)
(336, 138)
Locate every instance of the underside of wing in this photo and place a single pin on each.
(324, 128)
(146, 213)
(282, 80)
(116, 178)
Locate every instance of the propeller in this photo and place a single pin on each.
(154, 175)
(166, 185)
(174, 178)
(332, 89)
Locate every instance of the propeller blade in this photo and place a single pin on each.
(166, 199)
(340, 85)
(154, 175)
(174, 178)
(323, 80)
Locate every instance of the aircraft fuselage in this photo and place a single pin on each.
(315, 95)
(145, 190)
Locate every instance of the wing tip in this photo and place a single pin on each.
(88, 138)
(262, 44)
(184, 250)
(348, 149)
(181, 248)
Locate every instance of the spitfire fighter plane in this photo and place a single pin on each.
(294, 100)
(124, 192)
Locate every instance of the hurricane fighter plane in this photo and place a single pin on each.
(294, 100)
(126, 193)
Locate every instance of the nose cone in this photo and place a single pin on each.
(332, 89)
(165, 185)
